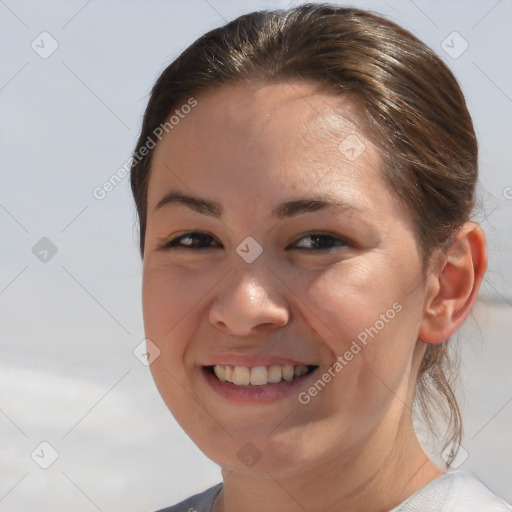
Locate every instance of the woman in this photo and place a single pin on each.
(304, 182)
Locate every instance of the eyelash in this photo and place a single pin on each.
(175, 243)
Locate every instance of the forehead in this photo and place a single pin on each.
(290, 133)
(263, 106)
(254, 114)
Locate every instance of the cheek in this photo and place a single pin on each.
(350, 297)
(368, 320)
(168, 296)
(370, 313)
(168, 299)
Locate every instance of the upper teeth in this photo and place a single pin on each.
(258, 375)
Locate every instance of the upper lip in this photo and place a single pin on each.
(252, 361)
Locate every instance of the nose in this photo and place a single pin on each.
(249, 302)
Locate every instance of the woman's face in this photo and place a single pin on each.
(273, 247)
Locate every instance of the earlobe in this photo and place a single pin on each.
(453, 283)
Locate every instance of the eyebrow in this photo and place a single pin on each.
(306, 205)
(282, 210)
(197, 204)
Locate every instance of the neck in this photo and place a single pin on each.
(377, 475)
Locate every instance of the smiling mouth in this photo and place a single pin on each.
(259, 375)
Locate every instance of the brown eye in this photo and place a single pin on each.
(319, 242)
(193, 240)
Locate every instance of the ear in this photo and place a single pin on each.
(453, 282)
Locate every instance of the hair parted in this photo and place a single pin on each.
(410, 106)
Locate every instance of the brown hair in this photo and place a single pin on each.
(410, 104)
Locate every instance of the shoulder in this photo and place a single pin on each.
(454, 492)
(201, 502)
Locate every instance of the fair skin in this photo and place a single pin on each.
(246, 149)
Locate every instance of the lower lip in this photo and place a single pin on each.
(265, 393)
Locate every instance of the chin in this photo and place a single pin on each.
(280, 453)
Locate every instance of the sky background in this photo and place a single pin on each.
(70, 317)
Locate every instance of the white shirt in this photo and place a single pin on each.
(454, 492)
